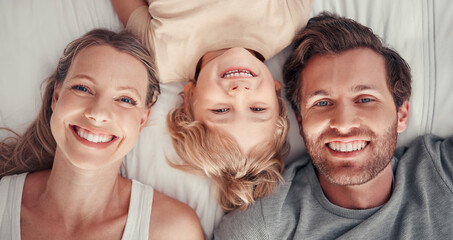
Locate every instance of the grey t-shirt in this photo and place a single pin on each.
(421, 205)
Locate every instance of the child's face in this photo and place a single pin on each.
(236, 94)
(100, 108)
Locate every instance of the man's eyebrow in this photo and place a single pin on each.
(360, 88)
(317, 93)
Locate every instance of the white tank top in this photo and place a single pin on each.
(11, 187)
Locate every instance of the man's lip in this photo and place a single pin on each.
(346, 139)
(347, 149)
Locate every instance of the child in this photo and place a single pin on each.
(232, 126)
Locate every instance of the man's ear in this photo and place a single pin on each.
(403, 116)
(299, 121)
(278, 88)
(55, 95)
(144, 118)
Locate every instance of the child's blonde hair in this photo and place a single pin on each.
(240, 178)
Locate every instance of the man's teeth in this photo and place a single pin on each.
(93, 137)
(347, 146)
(238, 74)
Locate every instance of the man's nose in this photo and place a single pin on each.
(344, 118)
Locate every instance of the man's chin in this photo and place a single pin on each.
(346, 176)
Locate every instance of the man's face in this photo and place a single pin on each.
(349, 120)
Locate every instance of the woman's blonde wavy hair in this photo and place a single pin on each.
(240, 178)
(35, 149)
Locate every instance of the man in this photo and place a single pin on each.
(351, 98)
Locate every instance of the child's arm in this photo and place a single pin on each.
(124, 8)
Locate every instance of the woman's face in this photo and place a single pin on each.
(100, 108)
(236, 94)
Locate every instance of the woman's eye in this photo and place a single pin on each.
(80, 88)
(257, 109)
(322, 103)
(220, 110)
(128, 100)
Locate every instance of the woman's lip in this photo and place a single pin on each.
(98, 145)
(92, 131)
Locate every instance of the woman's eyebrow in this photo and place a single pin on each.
(130, 88)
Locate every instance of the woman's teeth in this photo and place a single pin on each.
(347, 146)
(93, 137)
(238, 74)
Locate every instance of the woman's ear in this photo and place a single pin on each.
(403, 116)
(278, 87)
(144, 118)
(55, 95)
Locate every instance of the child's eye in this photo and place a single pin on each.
(220, 110)
(257, 109)
(128, 100)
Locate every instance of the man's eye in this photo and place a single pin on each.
(220, 110)
(322, 103)
(257, 109)
(128, 100)
(364, 100)
(80, 88)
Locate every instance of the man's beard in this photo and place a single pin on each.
(382, 148)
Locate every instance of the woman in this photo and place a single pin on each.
(232, 126)
(94, 107)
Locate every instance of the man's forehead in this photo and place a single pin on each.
(359, 68)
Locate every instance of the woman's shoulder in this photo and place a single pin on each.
(169, 215)
(11, 184)
(33, 186)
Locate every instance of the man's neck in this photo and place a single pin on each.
(368, 195)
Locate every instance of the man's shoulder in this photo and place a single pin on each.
(428, 143)
(247, 224)
(260, 219)
(296, 166)
(430, 155)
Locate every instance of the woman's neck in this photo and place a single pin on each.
(75, 195)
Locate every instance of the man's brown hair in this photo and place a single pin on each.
(328, 33)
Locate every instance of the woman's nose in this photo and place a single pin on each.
(99, 111)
